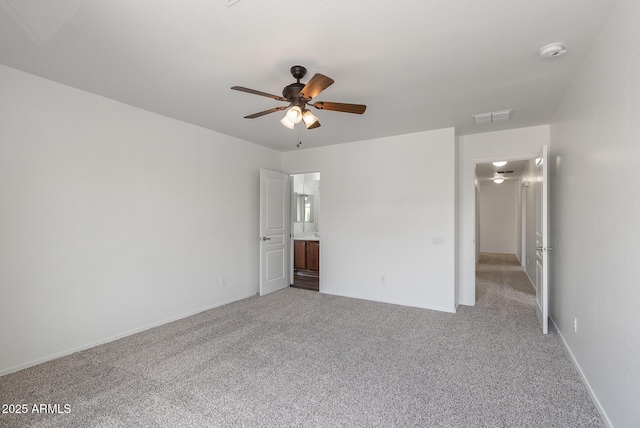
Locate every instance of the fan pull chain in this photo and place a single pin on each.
(299, 137)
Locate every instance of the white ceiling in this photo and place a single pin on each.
(417, 65)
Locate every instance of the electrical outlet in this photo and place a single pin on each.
(575, 324)
(223, 281)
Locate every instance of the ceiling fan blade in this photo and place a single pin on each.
(318, 83)
(254, 92)
(315, 125)
(347, 108)
(262, 113)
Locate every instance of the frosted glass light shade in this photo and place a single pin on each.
(286, 122)
(309, 118)
(294, 114)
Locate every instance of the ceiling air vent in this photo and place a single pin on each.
(501, 116)
(483, 118)
(494, 116)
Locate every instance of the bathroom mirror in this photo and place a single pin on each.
(305, 203)
(304, 208)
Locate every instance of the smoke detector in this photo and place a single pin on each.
(552, 50)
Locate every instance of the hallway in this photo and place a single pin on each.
(501, 275)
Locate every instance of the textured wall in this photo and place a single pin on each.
(114, 219)
(595, 217)
(498, 225)
(383, 202)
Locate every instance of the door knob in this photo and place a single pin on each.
(264, 238)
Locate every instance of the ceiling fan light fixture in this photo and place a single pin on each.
(286, 122)
(298, 96)
(294, 114)
(309, 118)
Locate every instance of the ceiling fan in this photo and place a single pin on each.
(299, 96)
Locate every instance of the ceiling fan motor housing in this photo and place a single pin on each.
(298, 72)
(292, 91)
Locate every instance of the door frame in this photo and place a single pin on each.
(468, 252)
(543, 244)
(291, 217)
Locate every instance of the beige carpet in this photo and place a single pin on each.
(301, 358)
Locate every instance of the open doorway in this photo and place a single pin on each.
(505, 211)
(498, 207)
(523, 203)
(305, 215)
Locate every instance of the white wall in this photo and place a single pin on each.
(595, 217)
(114, 219)
(498, 217)
(382, 202)
(515, 144)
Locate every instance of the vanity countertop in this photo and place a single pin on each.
(306, 238)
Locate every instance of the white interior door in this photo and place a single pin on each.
(542, 238)
(274, 230)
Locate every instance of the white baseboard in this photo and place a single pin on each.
(533, 284)
(466, 303)
(594, 398)
(37, 361)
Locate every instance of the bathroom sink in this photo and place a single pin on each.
(306, 237)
